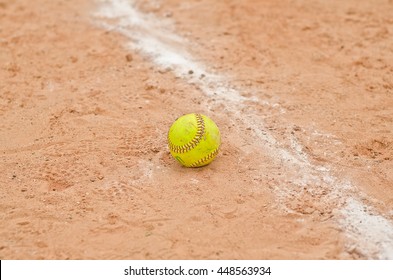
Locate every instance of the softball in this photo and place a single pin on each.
(193, 140)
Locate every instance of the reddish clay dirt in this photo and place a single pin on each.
(305, 169)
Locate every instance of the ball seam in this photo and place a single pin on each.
(206, 158)
(194, 142)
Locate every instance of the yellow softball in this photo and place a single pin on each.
(193, 140)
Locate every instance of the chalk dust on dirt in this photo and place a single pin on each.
(85, 108)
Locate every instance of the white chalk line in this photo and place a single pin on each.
(371, 234)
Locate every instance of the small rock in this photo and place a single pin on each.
(296, 128)
(129, 57)
(149, 87)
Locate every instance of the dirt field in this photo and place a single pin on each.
(302, 92)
